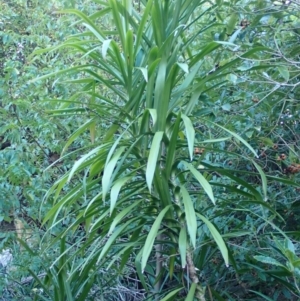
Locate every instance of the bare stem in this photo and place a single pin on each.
(158, 249)
(200, 291)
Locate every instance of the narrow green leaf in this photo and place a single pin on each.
(76, 134)
(202, 181)
(235, 34)
(263, 180)
(190, 215)
(162, 186)
(120, 254)
(191, 294)
(171, 294)
(108, 170)
(237, 137)
(186, 84)
(215, 140)
(114, 193)
(182, 242)
(190, 134)
(151, 237)
(193, 101)
(141, 28)
(153, 156)
(157, 24)
(119, 25)
(111, 239)
(261, 295)
(209, 48)
(172, 146)
(38, 280)
(82, 160)
(217, 237)
(138, 267)
(121, 215)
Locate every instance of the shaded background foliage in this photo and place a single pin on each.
(257, 98)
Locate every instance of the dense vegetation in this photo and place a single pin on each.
(149, 150)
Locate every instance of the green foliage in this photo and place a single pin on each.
(183, 122)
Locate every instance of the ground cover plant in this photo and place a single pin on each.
(176, 167)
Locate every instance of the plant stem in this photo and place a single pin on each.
(200, 291)
(158, 249)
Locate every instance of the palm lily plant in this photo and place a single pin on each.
(139, 187)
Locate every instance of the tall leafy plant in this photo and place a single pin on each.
(140, 82)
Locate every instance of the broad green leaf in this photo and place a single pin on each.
(105, 47)
(182, 242)
(289, 245)
(152, 159)
(284, 72)
(190, 215)
(190, 134)
(269, 260)
(232, 22)
(202, 181)
(234, 35)
(296, 263)
(184, 67)
(144, 72)
(226, 107)
(151, 237)
(217, 237)
(129, 53)
(160, 102)
(153, 114)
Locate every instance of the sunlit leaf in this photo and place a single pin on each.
(190, 134)
(152, 159)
